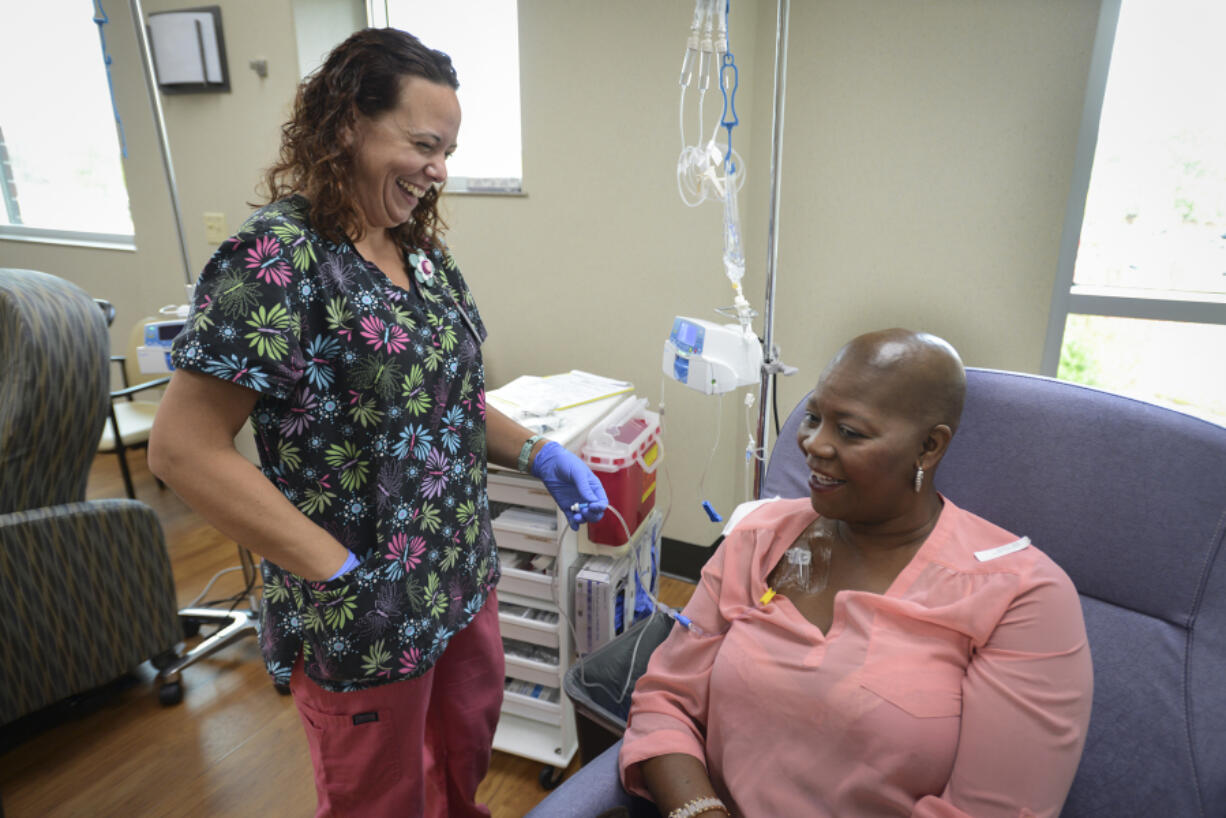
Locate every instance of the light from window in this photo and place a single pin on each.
(57, 126)
(482, 39)
(1146, 312)
(1155, 215)
(1173, 364)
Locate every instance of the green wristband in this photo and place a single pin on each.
(526, 452)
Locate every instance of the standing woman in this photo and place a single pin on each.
(337, 320)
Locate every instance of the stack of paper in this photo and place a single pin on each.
(559, 406)
(556, 392)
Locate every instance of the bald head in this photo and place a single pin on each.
(919, 374)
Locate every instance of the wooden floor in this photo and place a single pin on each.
(234, 747)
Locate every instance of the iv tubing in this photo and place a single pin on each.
(574, 635)
(707, 53)
(719, 417)
(720, 47)
(700, 15)
(657, 606)
(673, 613)
(668, 481)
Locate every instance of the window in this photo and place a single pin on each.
(1140, 306)
(482, 39)
(60, 154)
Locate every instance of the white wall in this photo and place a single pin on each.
(927, 161)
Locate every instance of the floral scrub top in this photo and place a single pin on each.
(371, 420)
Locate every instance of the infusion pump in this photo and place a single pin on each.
(154, 355)
(712, 358)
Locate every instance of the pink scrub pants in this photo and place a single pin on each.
(414, 747)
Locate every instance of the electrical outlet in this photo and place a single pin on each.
(215, 228)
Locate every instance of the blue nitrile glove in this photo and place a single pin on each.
(571, 483)
(350, 563)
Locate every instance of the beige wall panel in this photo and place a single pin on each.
(928, 157)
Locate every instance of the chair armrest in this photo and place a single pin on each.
(123, 370)
(595, 788)
(88, 595)
(128, 391)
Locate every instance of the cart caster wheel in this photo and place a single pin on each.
(190, 628)
(550, 777)
(170, 693)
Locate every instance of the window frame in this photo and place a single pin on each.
(1113, 302)
(70, 238)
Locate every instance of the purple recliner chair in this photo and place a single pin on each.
(1130, 499)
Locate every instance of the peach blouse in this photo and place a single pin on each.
(963, 690)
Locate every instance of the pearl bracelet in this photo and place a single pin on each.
(698, 806)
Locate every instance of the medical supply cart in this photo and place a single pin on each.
(538, 553)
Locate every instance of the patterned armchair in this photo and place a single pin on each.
(86, 591)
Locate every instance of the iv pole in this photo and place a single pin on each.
(146, 54)
(770, 358)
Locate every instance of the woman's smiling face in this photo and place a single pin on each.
(861, 445)
(400, 154)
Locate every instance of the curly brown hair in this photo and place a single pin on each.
(360, 77)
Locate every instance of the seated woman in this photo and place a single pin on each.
(873, 650)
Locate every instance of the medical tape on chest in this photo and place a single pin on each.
(1002, 550)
